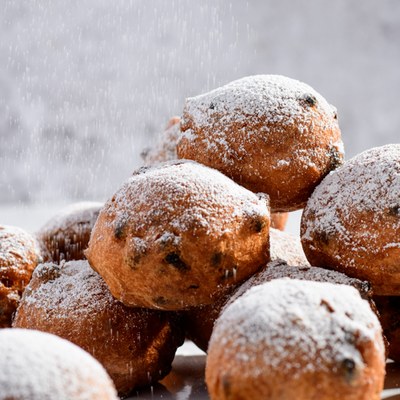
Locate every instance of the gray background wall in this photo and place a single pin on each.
(85, 85)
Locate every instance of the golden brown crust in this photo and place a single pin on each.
(66, 235)
(352, 221)
(177, 235)
(136, 346)
(299, 340)
(19, 256)
(268, 133)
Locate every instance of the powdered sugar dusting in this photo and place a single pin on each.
(17, 247)
(317, 324)
(39, 366)
(64, 286)
(273, 99)
(367, 185)
(183, 195)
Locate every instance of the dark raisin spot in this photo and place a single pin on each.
(348, 368)
(258, 224)
(7, 283)
(322, 237)
(394, 211)
(216, 258)
(334, 114)
(174, 260)
(136, 258)
(310, 99)
(160, 301)
(212, 106)
(193, 287)
(119, 230)
(335, 158)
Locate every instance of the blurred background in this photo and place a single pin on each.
(86, 85)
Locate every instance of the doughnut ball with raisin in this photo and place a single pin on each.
(66, 235)
(269, 133)
(19, 256)
(136, 346)
(290, 339)
(352, 221)
(178, 235)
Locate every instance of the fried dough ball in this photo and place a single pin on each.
(67, 234)
(177, 235)
(136, 346)
(199, 321)
(269, 133)
(39, 366)
(389, 310)
(165, 148)
(278, 220)
(352, 221)
(19, 256)
(290, 339)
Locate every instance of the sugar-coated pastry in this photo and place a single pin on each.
(269, 133)
(165, 148)
(136, 346)
(67, 234)
(39, 366)
(19, 256)
(352, 221)
(199, 321)
(289, 339)
(177, 235)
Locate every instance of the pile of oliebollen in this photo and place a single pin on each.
(192, 245)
